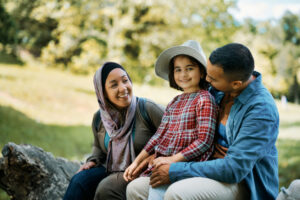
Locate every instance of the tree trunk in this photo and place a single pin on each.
(29, 173)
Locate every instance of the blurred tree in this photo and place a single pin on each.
(275, 45)
(81, 35)
(6, 27)
(290, 24)
(30, 32)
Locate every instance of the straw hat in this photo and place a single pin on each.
(191, 48)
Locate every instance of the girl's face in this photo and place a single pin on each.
(118, 88)
(187, 74)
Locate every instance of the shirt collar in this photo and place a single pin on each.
(250, 89)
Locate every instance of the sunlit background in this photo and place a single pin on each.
(49, 50)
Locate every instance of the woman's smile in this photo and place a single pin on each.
(118, 88)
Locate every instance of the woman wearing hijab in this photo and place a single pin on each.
(120, 133)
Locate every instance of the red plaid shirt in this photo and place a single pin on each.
(188, 126)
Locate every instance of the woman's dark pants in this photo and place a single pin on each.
(83, 184)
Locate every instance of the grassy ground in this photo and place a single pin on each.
(53, 110)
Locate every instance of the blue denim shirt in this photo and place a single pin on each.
(252, 130)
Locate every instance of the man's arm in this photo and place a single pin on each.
(256, 136)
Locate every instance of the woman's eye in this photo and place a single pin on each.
(113, 85)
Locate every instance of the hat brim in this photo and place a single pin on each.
(163, 60)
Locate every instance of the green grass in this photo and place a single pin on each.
(289, 160)
(53, 110)
(71, 142)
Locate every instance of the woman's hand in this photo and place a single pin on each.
(148, 162)
(133, 169)
(86, 166)
(128, 176)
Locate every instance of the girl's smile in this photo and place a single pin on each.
(187, 74)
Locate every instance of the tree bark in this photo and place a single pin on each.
(29, 173)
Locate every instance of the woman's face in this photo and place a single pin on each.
(118, 88)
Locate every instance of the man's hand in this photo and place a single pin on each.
(160, 176)
(86, 166)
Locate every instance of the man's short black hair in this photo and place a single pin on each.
(236, 61)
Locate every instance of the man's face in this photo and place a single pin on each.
(217, 79)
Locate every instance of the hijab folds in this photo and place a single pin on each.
(120, 151)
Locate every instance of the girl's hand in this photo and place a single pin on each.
(163, 160)
(168, 160)
(151, 158)
(86, 166)
(128, 172)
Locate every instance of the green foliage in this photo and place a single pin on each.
(290, 23)
(30, 30)
(82, 35)
(6, 26)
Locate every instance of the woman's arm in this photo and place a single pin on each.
(97, 154)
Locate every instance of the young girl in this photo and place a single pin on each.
(188, 125)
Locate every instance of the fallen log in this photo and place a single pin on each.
(29, 173)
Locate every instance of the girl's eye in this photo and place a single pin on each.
(190, 68)
(177, 70)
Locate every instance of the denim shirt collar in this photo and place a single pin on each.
(250, 89)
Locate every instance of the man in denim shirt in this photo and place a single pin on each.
(245, 162)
